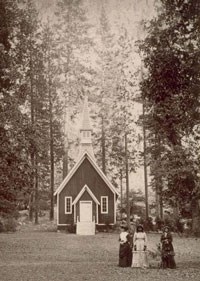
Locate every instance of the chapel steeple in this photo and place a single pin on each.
(86, 131)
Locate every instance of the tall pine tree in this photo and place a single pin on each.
(171, 88)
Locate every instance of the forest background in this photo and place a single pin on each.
(141, 76)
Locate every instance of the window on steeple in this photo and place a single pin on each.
(86, 134)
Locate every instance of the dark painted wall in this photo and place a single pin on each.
(86, 174)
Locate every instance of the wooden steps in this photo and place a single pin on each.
(85, 228)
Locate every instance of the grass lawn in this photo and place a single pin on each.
(38, 256)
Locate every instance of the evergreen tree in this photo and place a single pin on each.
(171, 88)
(32, 57)
(14, 166)
(53, 106)
(31, 60)
(122, 125)
(72, 40)
(105, 77)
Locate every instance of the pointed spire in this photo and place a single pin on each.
(86, 131)
(86, 126)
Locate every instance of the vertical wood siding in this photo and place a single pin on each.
(86, 174)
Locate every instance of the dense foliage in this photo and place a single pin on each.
(171, 89)
(46, 68)
(14, 165)
(25, 116)
(43, 80)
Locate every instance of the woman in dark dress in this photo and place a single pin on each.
(167, 250)
(124, 247)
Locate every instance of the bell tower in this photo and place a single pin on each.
(86, 131)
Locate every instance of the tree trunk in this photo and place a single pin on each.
(158, 180)
(121, 192)
(31, 199)
(66, 143)
(196, 217)
(31, 206)
(161, 202)
(103, 148)
(51, 143)
(159, 199)
(51, 215)
(157, 203)
(36, 191)
(145, 168)
(127, 182)
(32, 145)
(65, 163)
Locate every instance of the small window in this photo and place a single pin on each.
(104, 204)
(86, 134)
(68, 205)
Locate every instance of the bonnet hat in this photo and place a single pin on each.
(166, 227)
(140, 227)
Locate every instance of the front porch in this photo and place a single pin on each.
(85, 228)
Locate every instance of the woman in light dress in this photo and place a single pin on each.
(140, 248)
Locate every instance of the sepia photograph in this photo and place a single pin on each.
(99, 140)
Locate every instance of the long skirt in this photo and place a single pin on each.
(140, 259)
(168, 262)
(167, 256)
(124, 255)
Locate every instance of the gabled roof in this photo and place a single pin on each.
(95, 166)
(85, 188)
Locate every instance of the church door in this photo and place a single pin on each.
(85, 211)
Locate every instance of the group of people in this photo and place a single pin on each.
(133, 248)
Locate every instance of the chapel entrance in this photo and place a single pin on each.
(85, 211)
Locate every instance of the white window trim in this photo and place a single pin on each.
(104, 212)
(70, 212)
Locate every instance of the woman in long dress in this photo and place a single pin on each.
(140, 248)
(167, 250)
(124, 247)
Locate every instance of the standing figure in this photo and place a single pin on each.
(124, 247)
(140, 248)
(167, 250)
